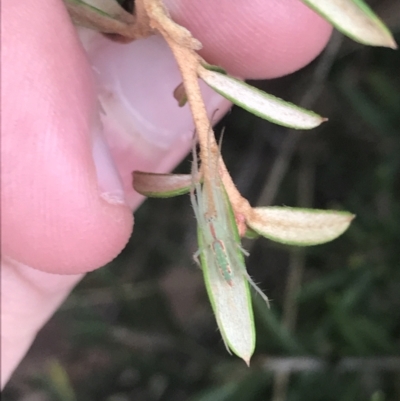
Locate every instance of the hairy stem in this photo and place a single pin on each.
(183, 46)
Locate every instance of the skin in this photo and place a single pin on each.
(58, 199)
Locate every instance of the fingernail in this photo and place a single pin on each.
(109, 180)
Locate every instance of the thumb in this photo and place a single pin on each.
(61, 191)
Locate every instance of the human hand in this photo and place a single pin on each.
(66, 198)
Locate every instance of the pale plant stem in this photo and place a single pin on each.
(182, 45)
(187, 62)
(281, 164)
(209, 150)
(305, 191)
(308, 364)
(297, 256)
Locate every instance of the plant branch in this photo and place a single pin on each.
(281, 164)
(183, 46)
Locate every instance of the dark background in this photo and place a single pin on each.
(142, 329)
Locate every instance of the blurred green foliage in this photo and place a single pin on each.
(141, 328)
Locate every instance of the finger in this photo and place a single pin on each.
(62, 201)
(254, 39)
(29, 298)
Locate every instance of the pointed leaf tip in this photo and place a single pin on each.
(232, 307)
(297, 226)
(258, 102)
(355, 19)
(247, 361)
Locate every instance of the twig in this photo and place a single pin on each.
(314, 364)
(305, 194)
(183, 46)
(280, 166)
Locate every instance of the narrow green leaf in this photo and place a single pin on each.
(258, 102)
(231, 304)
(156, 185)
(271, 323)
(347, 326)
(355, 19)
(229, 294)
(297, 226)
(59, 381)
(378, 396)
(375, 335)
(109, 8)
(101, 15)
(316, 290)
(214, 68)
(222, 262)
